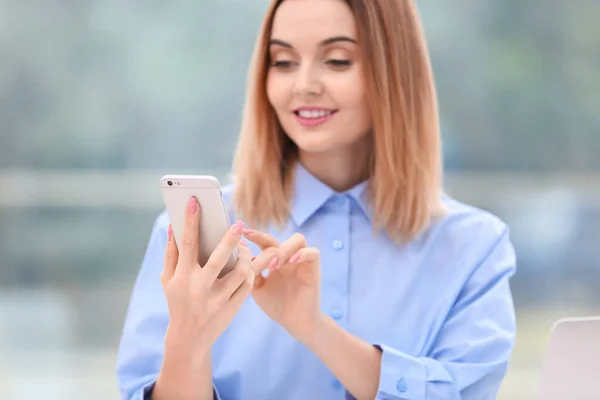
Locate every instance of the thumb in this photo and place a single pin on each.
(171, 258)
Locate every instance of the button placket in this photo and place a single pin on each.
(335, 257)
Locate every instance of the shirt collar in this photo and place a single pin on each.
(310, 194)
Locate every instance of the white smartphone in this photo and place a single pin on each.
(214, 219)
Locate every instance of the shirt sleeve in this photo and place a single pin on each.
(146, 392)
(141, 349)
(471, 353)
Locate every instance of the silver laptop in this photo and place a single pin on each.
(571, 369)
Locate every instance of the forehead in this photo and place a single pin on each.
(312, 20)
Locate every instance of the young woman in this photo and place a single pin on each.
(378, 284)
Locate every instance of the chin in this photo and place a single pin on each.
(313, 142)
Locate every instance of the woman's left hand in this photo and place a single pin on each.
(291, 293)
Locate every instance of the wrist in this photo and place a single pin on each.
(186, 350)
(184, 377)
(316, 338)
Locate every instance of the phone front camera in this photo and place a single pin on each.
(170, 183)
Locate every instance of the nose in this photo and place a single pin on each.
(308, 82)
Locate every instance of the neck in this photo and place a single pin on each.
(340, 169)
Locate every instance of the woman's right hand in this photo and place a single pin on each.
(201, 306)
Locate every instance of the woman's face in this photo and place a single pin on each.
(315, 80)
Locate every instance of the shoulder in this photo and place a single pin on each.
(466, 220)
(466, 235)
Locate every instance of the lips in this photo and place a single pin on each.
(313, 116)
(314, 113)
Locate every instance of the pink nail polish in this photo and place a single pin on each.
(238, 228)
(248, 231)
(192, 205)
(295, 258)
(273, 263)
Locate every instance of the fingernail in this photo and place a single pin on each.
(248, 231)
(273, 263)
(243, 243)
(170, 235)
(192, 205)
(295, 258)
(238, 228)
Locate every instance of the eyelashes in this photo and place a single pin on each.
(339, 63)
(336, 63)
(282, 64)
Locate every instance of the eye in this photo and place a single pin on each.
(339, 63)
(282, 64)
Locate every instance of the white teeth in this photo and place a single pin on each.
(314, 113)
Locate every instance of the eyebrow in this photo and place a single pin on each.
(325, 42)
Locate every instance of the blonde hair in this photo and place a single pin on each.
(404, 189)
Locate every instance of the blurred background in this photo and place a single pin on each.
(98, 99)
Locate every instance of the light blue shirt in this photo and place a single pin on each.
(440, 308)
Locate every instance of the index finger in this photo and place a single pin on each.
(189, 246)
(289, 248)
(220, 255)
(261, 262)
(262, 240)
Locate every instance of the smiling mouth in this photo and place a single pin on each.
(314, 113)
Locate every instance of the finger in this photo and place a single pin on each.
(259, 280)
(260, 263)
(262, 240)
(304, 265)
(171, 257)
(222, 252)
(239, 296)
(288, 249)
(229, 284)
(188, 248)
(307, 254)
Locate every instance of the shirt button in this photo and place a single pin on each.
(337, 244)
(401, 386)
(337, 385)
(337, 313)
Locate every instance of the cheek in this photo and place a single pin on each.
(271, 95)
(276, 92)
(351, 97)
(347, 88)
